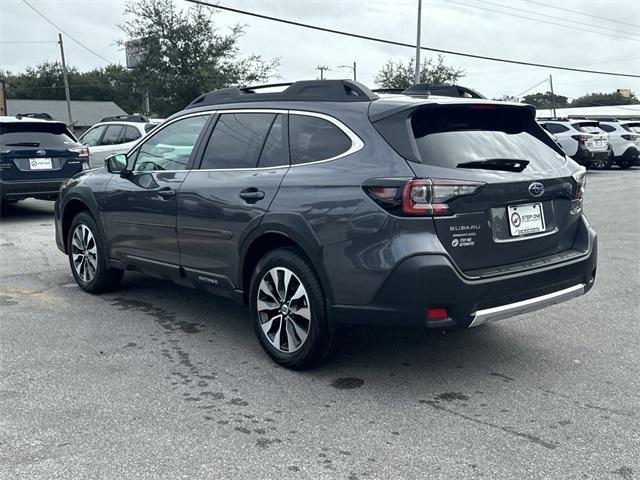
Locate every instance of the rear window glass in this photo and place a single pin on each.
(590, 127)
(35, 135)
(447, 137)
(632, 127)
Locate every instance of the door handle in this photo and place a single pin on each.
(166, 192)
(251, 195)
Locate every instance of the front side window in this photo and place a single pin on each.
(92, 137)
(170, 148)
(237, 140)
(313, 139)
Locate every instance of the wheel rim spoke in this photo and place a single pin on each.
(84, 253)
(282, 306)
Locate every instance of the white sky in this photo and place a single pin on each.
(464, 25)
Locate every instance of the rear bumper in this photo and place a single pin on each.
(586, 157)
(30, 188)
(432, 281)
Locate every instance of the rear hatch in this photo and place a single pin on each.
(596, 139)
(38, 151)
(520, 209)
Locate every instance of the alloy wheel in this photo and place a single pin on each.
(283, 309)
(84, 253)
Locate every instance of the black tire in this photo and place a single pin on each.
(625, 163)
(604, 164)
(318, 345)
(104, 279)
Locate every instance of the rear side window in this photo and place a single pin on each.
(448, 137)
(237, 140)
(130, 134)
(35, 135)
(112, 135)
(607, 128)
(313, 139)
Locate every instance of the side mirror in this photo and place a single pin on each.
(116, 163)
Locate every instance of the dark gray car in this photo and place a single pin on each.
(326, 206)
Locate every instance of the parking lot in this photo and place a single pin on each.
(159, 381)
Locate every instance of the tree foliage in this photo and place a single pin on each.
(186, 55)
(545, 100)
(45, 81)
(432, 71)
(599, 99)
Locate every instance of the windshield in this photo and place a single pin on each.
(35, 135)
(453, 136)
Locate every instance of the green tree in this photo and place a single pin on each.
(185, 55)
(600, 99)
(432, 71)
(44, 81)
(545, 100)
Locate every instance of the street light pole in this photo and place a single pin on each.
(353, 69)
(66, 81)
(416, 79)
(553, 96)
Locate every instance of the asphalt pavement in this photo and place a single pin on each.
(160, 381)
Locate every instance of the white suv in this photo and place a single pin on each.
(110, 138)
(624, 139)
(582, 140)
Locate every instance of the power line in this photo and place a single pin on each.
(582, 13)
(531, 88)
(402, 44)
(546, 22)
(556, 18)
(45, 41)
(60, 29)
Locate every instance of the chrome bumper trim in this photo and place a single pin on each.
(525, 306)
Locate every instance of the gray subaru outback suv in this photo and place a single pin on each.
(327, 205)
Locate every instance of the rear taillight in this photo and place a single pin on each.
(419, 197)
(631, 138)
(580, 138)
(580, 177)
(83, 152)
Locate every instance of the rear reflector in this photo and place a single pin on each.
(437, 314)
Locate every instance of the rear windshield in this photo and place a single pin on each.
(632, 127)
(449, 136)
(587, 127)
(24, 134)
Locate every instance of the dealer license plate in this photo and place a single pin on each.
(525, 219)
(40, 164)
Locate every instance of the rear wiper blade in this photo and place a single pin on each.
(23, 144)
(506, 164)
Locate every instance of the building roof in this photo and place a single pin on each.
(84, 112)
(611, 111)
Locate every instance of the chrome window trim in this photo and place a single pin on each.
(356, 143)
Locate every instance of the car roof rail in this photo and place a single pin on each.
(388, 90)
(304, 90)
(126, 118)
(41, 116)
(426, 89)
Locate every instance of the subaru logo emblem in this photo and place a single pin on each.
(41, 152)
(536, 189)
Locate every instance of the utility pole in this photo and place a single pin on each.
(322, 69)
(553, 96)
(416, 79)
(66, 81)
(353, 69)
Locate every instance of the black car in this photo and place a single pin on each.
(36, 156)
(327, 205)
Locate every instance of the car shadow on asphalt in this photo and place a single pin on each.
(27, 211)
(375, 353)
